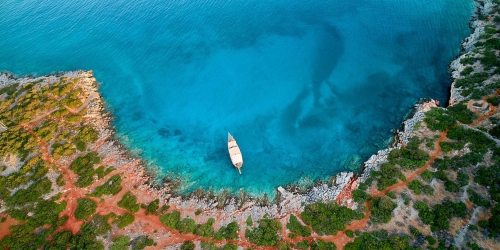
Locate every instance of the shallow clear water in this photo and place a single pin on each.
(308, 88)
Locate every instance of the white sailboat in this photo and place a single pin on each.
(234, 152)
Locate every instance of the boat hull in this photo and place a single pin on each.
(234, 153)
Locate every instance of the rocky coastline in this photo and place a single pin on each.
(483, 7)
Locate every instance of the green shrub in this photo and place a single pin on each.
(322, 245)
(87, 134)
(249, 221)
(229, 232)
(489, 59)
(295, 227)
(478, 199)
(31, 194)
(414, 231)
(439, 216)
(111, 187)
(124, 220)
(141, 242)
(495, 131)
(427, 175)
(461, 113)
(438, 119)
(153, 207)
(382, 208)
(9, 89)
(430, 240)
(493, 223)
(449, 146)
(349, 233)
(457, 162)
(378, 240)
(119, 243)
(208, 245)
(328, 218)
(266, 234)
(186, 225)
(479, 142)
(85, 239)
(73, 118)
(206, 230)
(129, 202)
(466, 71)
(391, 195)
(62, 239)
(230, 246)
(415, 185)
(387, 174)
(451, 186)
(408, 158)
(84, 167)
(171, 220)
(38, 220)
(85, 208)
(488, 176)
(428, 190)
(462, 179)
(303, 245)
(188, 245)
(71, 103)
(494, 100)
(360, 196)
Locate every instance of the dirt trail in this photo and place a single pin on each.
(414, 174)
(71, 192)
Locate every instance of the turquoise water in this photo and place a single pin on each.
(308, 88)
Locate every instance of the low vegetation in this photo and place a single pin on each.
(85, 208)
(328, 218)
(266, 234)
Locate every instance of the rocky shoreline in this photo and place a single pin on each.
(483, 7)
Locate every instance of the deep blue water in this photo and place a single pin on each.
(308, 88)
